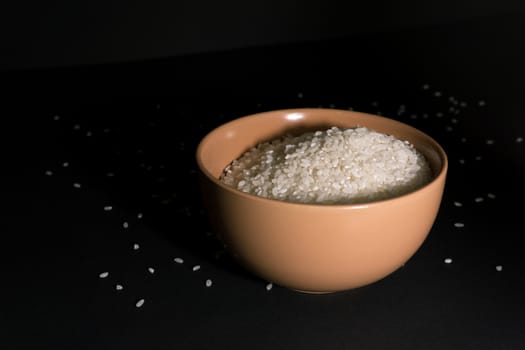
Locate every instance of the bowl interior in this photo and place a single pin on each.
(227, 142)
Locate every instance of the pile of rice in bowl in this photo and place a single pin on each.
(331, 166)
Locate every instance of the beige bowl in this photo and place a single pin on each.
(311, 247)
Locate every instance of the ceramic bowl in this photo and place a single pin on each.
(316, 248)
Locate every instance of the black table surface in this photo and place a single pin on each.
(99, 197)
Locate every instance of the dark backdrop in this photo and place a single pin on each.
(50, 33)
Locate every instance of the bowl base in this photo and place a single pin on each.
(310, 292)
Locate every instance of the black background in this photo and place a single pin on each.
(458, 78)
(59, 32)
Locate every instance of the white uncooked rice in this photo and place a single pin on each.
(330, 166)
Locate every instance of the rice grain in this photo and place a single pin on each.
(332, 166)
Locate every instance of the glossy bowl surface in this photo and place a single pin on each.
(311, 247)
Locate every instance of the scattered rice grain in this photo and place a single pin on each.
(448, 260)
(178, 260)
(139, 303)
(196, 268)
(103, 274)
(209, 283)
(499, 268)
(119, 287)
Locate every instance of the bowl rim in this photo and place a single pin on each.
(439, 177)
